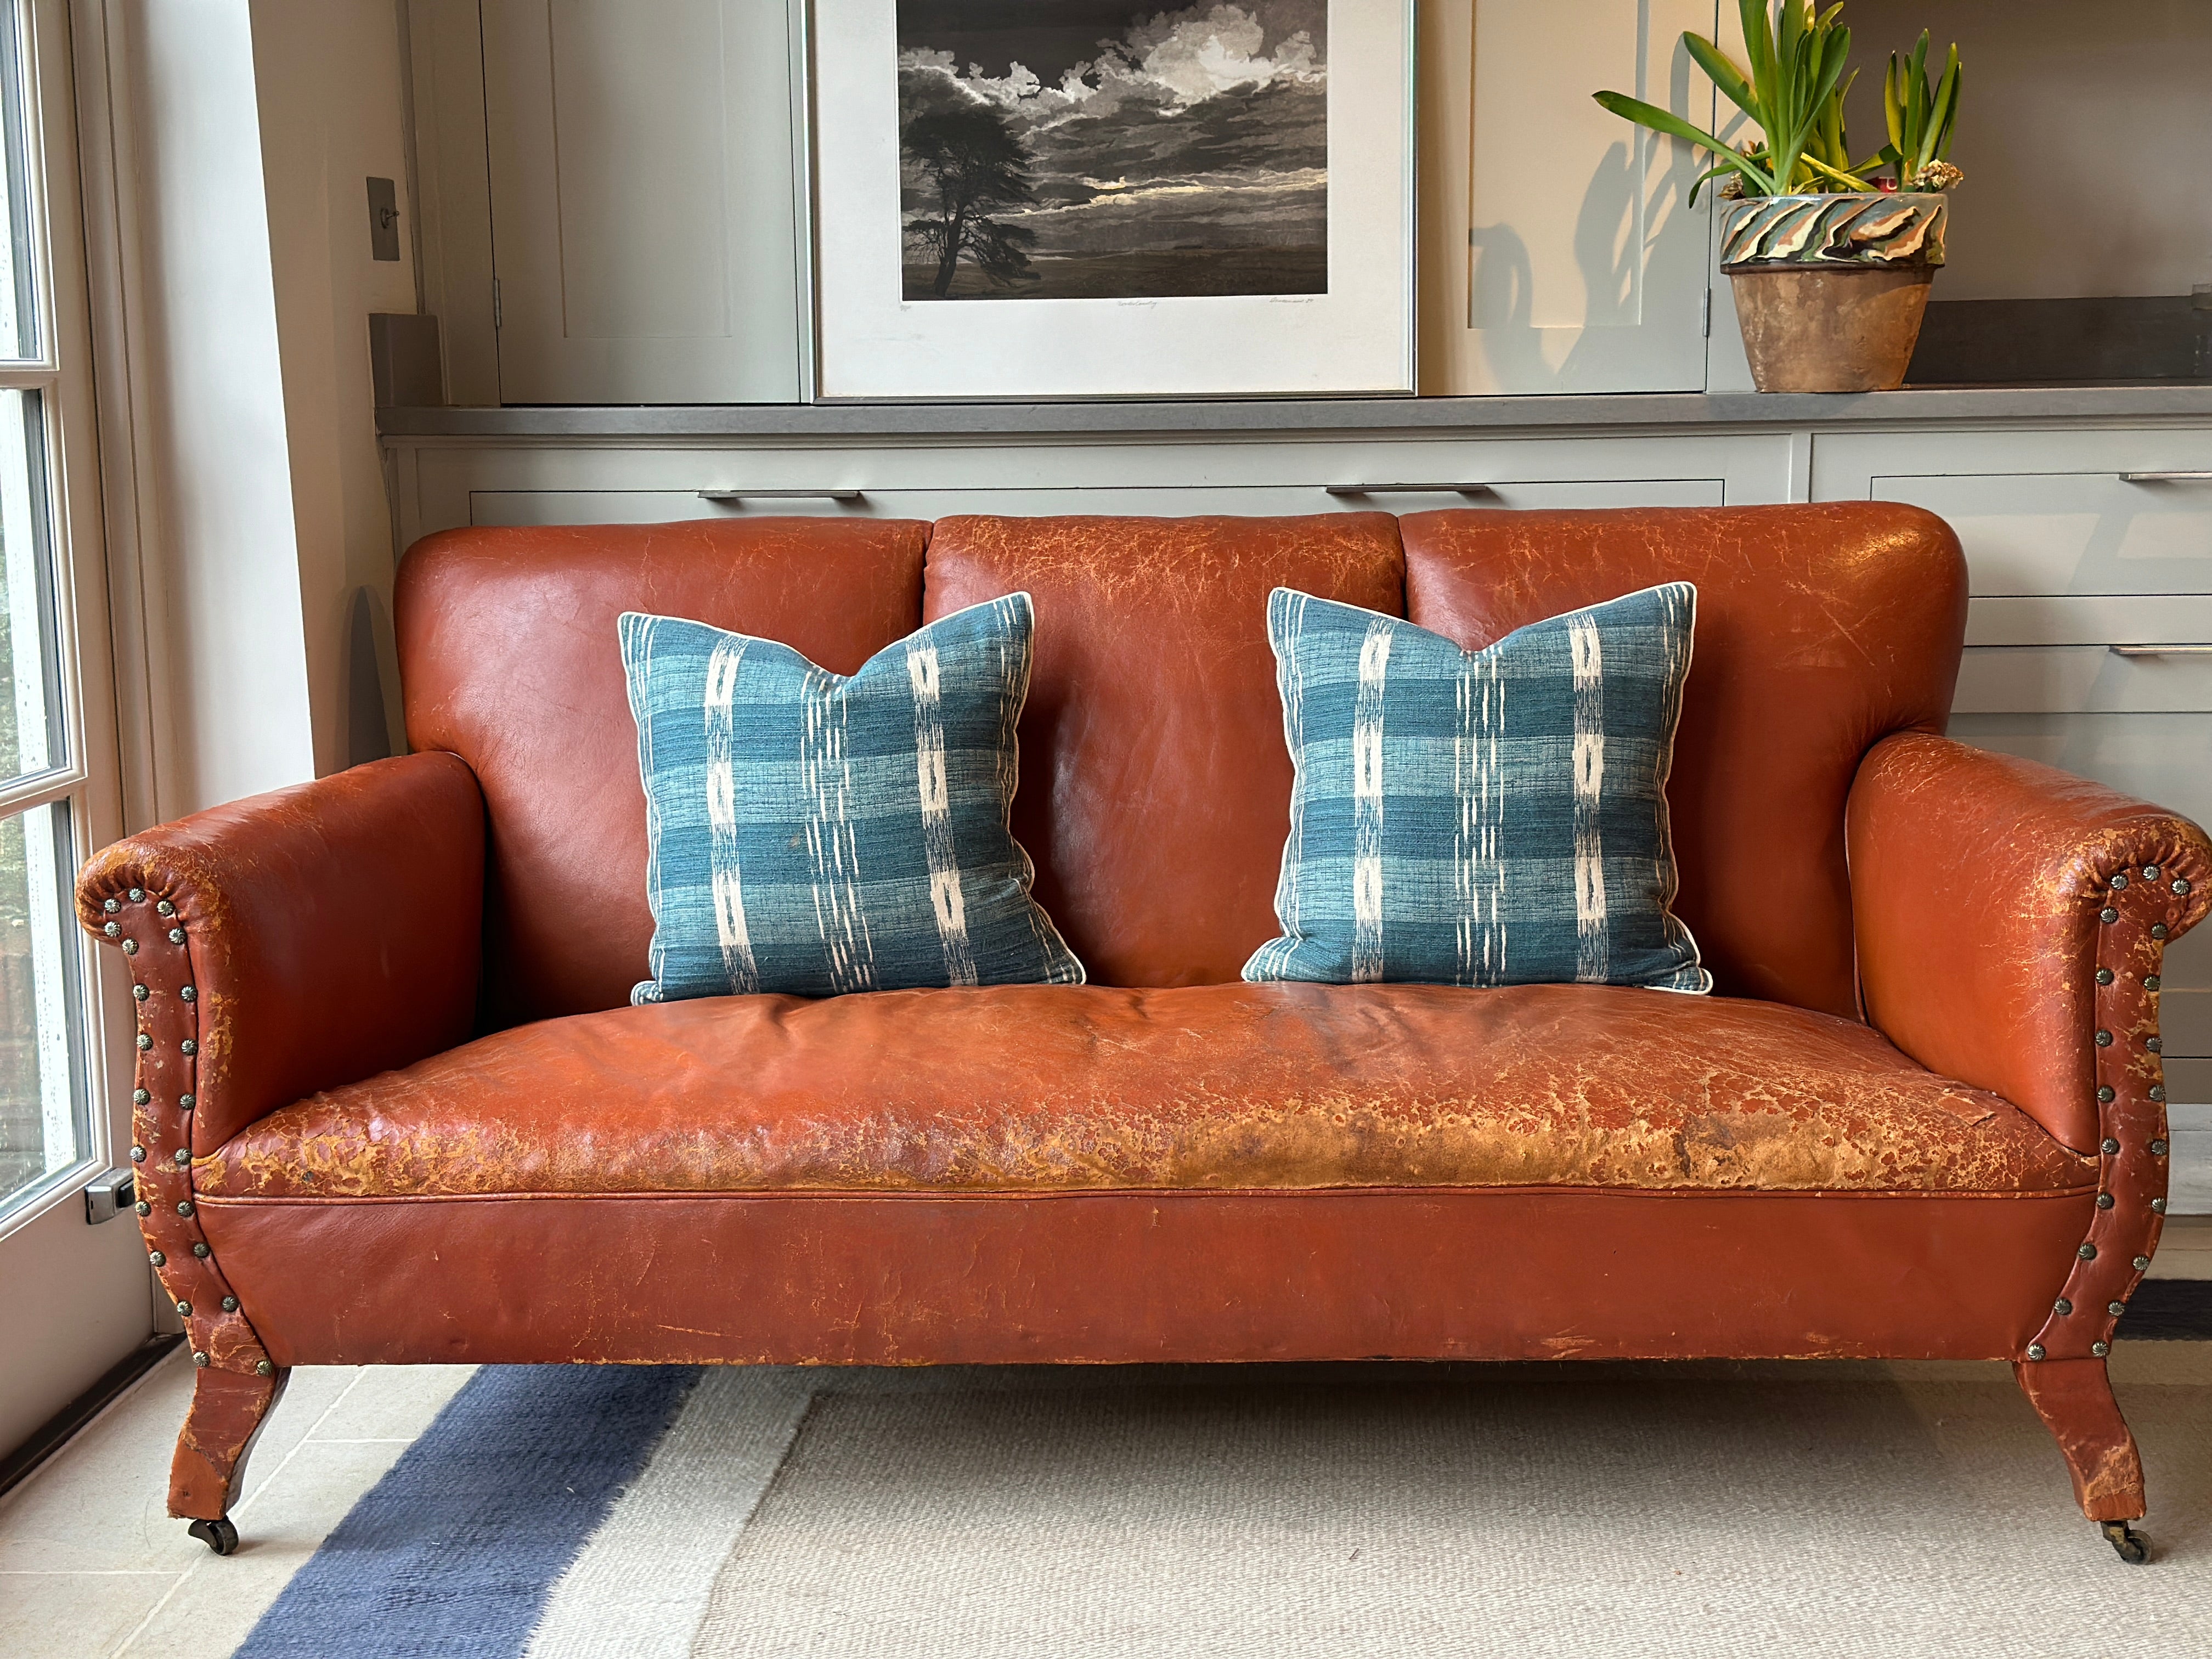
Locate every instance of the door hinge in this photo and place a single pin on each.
(107, 1194)
(1707, 323)
(497, 320)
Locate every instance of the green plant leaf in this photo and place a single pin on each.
(1725, 74)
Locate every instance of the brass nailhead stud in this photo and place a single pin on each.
(186, 1308)
(165, 907)
(138, 1154)
(2158, 930)
(200, 1358)
(2150, 981)
(2141, 1262)
(138, 895)
(2158, 1206)
(112, 931)
(139, 1096)
(2179, 885)
(2061, 1306)
(189, 1046)
(2150, 872)
(263, 1368)
(188, 994)
(2035, 1351)
(2119, 881)
(157, 1258)
(2158, 1092)
(143, 1207)
(188, 1100)
(184, 1206)
(2156, 1045)
(184, 1154)
(2105, 1093)
(129, 947)
(140, 992)
(2099, 1350)
(230, 1304)
(2104, 1039)
(111, 907)
(2103, 1201)
(2108, 914)
(2158, 1149)
(176, 936)
(201, 1250)
(2104, 976)
(145, 1042)
(2116, 1309)
(2087, 1252)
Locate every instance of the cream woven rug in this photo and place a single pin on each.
(1489, 1513)
(1583, 1510)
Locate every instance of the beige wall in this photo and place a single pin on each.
(2085, 135)
(328, 81)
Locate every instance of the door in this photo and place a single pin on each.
(643, 201)
(79, 1297)
(1560, 253)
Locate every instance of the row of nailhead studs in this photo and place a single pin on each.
(141, 1099)
(2105, 1095)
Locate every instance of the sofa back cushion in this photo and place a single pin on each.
(509, 658)
(1820, 630)
(1156, 784)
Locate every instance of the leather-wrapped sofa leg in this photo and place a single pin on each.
(228, 1411)
(2073, 1397)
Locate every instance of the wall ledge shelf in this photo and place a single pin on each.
(2185, 401)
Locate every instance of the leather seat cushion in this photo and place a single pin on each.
(1053, 1089)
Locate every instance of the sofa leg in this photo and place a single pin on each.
(227, 1412)
(2073, 1397)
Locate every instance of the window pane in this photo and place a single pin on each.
(18, 328)
(31, 728)
(43, 1121)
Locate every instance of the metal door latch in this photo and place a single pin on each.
(107, 1195)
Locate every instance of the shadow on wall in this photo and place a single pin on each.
(1613, 234)
(368, 719)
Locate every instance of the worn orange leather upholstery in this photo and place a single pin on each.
(425, 1125)
(1250, 1087)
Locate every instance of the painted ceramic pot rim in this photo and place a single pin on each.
(1836, 230)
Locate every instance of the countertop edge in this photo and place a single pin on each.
(1208, 418)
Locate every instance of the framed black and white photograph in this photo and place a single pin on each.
(1058, 199)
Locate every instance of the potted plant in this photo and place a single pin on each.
(1831, 265)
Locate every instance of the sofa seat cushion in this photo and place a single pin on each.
(1066, 1089)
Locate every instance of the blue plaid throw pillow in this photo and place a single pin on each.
(1481, 818)
(815, 833)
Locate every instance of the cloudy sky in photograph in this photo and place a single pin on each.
(1203, 127)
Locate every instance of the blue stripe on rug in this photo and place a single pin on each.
(454, 1553)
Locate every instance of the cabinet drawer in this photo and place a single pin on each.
(2079, 679)
(550, 507)
(2071, 532)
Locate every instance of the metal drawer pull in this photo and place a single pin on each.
(780, 495)
(1409, 489)
(2166, 477)
(2160, 650)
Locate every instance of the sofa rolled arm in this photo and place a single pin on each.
(2006, 914)
(294, 941)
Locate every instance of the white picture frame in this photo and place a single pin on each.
(873, 343)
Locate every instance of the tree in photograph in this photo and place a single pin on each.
(975, 166)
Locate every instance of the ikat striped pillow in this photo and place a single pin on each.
(815, 833)
(1483, 818)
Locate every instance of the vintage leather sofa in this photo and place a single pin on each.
(394, 1107)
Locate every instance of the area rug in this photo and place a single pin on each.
(1709, 1510)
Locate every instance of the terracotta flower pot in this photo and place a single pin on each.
(1830, 291)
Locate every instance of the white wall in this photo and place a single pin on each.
(2085, 135)
(328, 79)
(244, 452)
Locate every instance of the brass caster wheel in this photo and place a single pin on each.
(219, 1534)
(2129, 1545)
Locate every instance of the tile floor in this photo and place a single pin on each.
(93, 1567)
